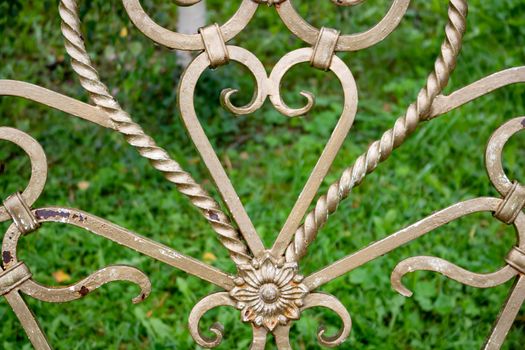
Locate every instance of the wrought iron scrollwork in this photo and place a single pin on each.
(268, 288)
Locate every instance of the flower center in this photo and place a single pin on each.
(269, 293)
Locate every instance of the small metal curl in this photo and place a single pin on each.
(255, 66)
(210, 302)
(268, 86)
(281, 68)
(332, 303)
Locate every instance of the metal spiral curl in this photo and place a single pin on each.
(137, 138)
(391, 139)
(210, 302)
(330, 302)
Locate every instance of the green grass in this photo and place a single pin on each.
(270, 157)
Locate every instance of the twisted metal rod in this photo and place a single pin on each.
(136, 137)
(381, 149)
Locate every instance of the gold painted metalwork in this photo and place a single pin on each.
(268, 288)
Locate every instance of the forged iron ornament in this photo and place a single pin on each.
(269, 293)
(267, 288)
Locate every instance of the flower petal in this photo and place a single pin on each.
(285, 277)
(259, 306)
(271, 309)
(267, 271)
(293, 292)
(243, 294)
(251, 277)
(247, 314)
(292, 313)
(271, 322)
(283, 320)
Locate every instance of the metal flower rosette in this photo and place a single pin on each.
(268, 288)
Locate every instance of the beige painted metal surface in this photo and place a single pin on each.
(268, 288)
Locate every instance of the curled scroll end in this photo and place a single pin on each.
(396, 277)
(348, 2)
(328, 341)
(212, 342)
(205, 341)
(226, 102)
(123, 273)
(332, 303)
(310, 102)
(256, 68)
(284, 109)
(448, 269)
(145, 289)
(251, 107)
(210, 302)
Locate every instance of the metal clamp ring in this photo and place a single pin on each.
(324, 48)
(38, 166)
(214, 45)
(14, 277)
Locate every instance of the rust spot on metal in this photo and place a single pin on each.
(213, 215)
(79, 217)
(7, 257)
(47, 214)
(84, 291)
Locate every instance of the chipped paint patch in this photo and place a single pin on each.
(46, 214)
(7, 257)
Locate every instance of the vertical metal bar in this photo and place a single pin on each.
(282, 337)
(28, 321)
(259, 338)
(507, 315)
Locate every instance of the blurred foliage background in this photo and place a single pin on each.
(268, 158)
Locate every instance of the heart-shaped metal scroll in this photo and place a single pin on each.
(265, 87)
